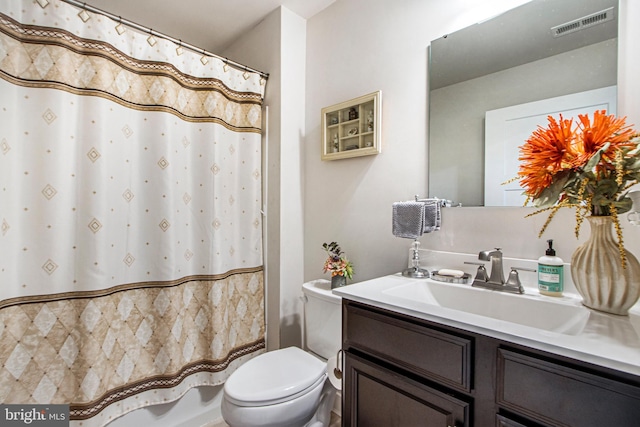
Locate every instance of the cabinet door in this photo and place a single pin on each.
(558, 395)
(376, 396)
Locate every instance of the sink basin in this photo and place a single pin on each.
(527, 310)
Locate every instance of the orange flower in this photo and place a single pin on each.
(604, 129)
(546, 152)
(558, 148)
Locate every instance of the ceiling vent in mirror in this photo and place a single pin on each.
(584, 22)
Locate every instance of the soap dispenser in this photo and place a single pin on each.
(550, 273)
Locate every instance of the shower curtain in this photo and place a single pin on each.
(130, 225)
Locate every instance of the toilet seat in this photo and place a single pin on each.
(275, 377)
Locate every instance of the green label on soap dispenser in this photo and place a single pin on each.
(550, 277)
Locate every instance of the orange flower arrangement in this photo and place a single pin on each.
(588, 167)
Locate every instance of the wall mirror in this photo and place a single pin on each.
(539, 51)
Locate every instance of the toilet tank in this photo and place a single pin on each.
(322, 319)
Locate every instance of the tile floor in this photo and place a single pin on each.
(335, 422)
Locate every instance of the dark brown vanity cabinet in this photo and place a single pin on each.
(404, 371)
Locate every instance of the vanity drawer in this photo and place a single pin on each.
(556, 394)
(431, 353)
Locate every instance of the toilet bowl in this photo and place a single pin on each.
(281, 388)
(290, 387)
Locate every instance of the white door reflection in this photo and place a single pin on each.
(506, 129)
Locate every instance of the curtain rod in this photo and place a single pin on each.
(144, 29)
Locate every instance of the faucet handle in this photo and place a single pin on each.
(533, 270)
(481, 274)
(514, 278)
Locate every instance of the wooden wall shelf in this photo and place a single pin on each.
(352, 128)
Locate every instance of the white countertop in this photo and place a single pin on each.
(606, 340)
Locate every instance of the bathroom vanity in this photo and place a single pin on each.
(412, 360)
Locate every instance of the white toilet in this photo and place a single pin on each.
(290, 387)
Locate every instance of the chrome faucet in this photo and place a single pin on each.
(496, 280)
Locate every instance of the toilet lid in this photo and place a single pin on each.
(274, 375)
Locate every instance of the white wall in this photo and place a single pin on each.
(357, 46)
(277, 46)
(291, 261)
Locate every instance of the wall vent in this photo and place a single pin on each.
(584, 22)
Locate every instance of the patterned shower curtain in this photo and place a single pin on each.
(130, 226)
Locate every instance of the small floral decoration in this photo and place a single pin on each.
(336, 263)
(588, 166)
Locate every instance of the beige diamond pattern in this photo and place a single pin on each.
(45, 390)
(49, 116)
(43, 63)
(129, 260)
(48, 191)
(162, 302)
(56, 64)
(156, 91)
(94, 225)
(49, 267)
(45, 320)
(128, 195)
(84, 15)
(109, 342)
(80, 350)
(164, 224)
(120, 29)
(69, 351)
(86, 72)
(93, 154)
(162, 361)
(90, 383)
(18, 361)
(163, 163)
